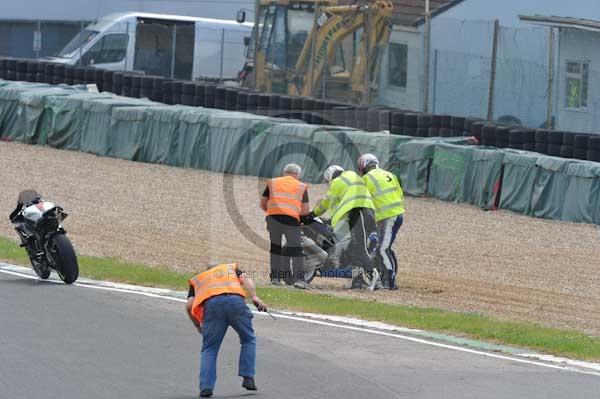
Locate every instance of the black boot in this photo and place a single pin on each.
(249, 384)
(392, 283)
(206, 393)
(385, 279)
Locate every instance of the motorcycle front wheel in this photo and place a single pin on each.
(65, 257)
(42, 272)
(289, 276)
(309, 276)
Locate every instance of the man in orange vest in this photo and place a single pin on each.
(215, 302)
(284, 200)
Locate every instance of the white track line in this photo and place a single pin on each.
(334, 325)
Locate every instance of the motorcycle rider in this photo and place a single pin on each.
(388, 198)
(26, 198)
(352, 216)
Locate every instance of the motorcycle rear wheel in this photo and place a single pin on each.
(66, 259)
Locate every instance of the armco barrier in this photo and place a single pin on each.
(247, 144)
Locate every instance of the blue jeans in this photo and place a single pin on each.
(220, 312)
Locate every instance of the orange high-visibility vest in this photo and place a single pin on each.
(285, 196)
(221, 279)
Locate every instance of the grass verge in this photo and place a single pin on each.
(549, 340)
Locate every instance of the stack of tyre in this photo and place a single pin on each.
(549, 142)
(209, 94)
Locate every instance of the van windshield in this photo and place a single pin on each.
(81, 40)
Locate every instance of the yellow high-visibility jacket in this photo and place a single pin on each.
(346, 192)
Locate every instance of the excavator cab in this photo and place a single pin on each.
(314, 48)
(283, 29)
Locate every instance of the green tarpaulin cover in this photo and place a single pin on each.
(582, 197)
(520, 173)
(33, 122)
(9, 107)
(95, 121)
(247, 144)
(65, 114)
(550, 187)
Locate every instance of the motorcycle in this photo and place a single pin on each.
(39, 225)
(317, 241)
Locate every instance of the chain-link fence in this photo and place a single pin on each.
(36, 39)
(460, 71)
(534, 76)
(179, 49)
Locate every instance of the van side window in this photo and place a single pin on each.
(109, 49)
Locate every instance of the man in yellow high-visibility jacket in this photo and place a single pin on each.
(388, 198)
(351, 208)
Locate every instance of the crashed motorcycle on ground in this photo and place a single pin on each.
(39, 225)
(317, 241)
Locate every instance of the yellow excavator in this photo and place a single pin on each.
(318, 48)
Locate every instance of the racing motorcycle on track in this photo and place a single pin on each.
(39, 225)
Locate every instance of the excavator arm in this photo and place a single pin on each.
(334, 24)
(371, 49)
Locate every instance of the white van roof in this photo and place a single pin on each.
(109, 19)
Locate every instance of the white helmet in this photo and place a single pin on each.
(365, 162)
(332, 172)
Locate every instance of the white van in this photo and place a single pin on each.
(164, 45)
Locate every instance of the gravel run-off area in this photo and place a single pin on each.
(452, 256)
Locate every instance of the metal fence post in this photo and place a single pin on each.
(435, 63)
(549, 121)
(174, 47)
(325, 74)
(80, 61)
(37, 40)
(427, 57)
(490, 113)
(127, 47)
(312, 49)
(222, 55)
(256, 34)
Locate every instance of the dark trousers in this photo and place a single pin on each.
(362, 224)
(281, 257)
(387, 230)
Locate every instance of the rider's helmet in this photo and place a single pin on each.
(332, 172)
(366, 162)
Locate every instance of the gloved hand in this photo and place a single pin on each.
(308, 218)
(260, 305)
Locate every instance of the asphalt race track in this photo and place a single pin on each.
(73, 342)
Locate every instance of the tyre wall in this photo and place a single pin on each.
(238, 142)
